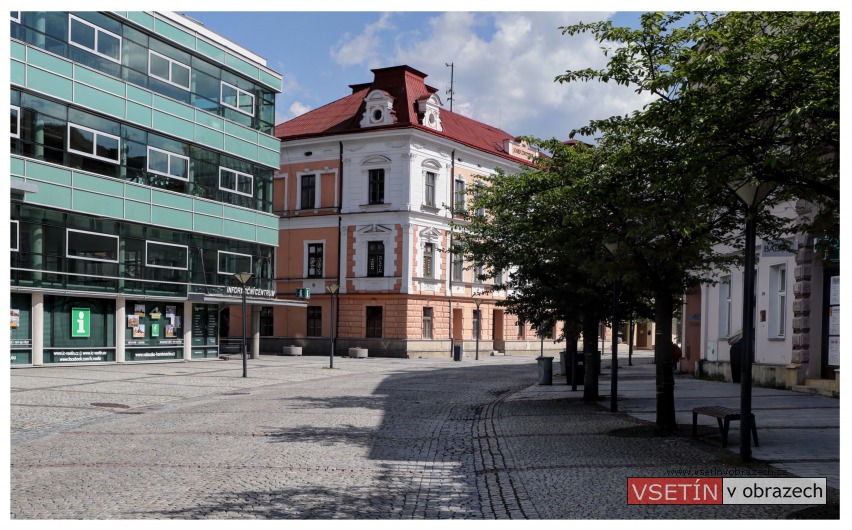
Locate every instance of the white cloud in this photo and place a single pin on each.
(298, 108)
(505, 65)
(363, 48)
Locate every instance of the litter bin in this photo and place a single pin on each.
(545, 370)
(578, 369)
(458, 352)
(563, 356)
(737, 361)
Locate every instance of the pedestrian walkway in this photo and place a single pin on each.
(798, 433)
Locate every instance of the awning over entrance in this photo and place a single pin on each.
(202, 298)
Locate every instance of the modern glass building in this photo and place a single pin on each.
(141, 168)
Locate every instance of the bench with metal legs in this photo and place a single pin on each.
(724, 416)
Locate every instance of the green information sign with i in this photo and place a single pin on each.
(80, 322)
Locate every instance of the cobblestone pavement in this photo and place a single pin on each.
(370, 439)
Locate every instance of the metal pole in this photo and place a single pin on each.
(478, 326)
(613, 406)
(630, 344)
(244, 331)
(748, 336)
(331, 353)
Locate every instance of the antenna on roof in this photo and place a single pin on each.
(450, 91)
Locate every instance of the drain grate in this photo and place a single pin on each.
(111, 405)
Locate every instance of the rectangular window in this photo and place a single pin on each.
(477, 192)
(374, 322)
(266, 322)
(478, 273)
(477, 315)
(15, 121)
(429, 192)
(168, 70)
(15, 16)
(92, 143)
(13, 236)
(315, 260)
(94, 39)
(498, 278)
(521, 329)
(459, 195)
(725, 307)
(91, 246)
(375, 258)
(427, 322)
(168, 164)
(376, 186)
(237, 98)
(458, 268)
(236, 182)
(308, 191)
(777, 301)
(428, 260)
(314, 321)
(166, 255)
(232, 263)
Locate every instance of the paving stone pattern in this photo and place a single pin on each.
(370, 439)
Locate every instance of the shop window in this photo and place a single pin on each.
(236, 98)
(94, 39)
(168, 70)
(91, 246)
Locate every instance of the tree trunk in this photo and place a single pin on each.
(663, 312)
(590, 346)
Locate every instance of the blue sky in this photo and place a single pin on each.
(504, 62)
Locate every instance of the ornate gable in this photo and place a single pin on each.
(429, 112)
(378, 109)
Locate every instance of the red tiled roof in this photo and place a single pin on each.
(406, 85)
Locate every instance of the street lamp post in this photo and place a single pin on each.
(332, 290)
(478, 301)
(751, 194)
(244, 278)
(616, 287)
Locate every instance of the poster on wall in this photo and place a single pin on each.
(834, 293)
(139, 331)
(834, 351)
(139, 310)
(155, 329)
(15, 318)
(834, 320)
(155, 314)
(132, 321)
(170, 331)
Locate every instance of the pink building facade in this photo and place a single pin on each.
(364, 193)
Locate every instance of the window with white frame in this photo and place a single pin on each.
(15, 121)
(477, 192)
(459, 195)
(477, 324)
(166, 255)
(236, 182)
(375, 258)
(91, 246)
(15, 16)
(498, 278)
(429, 260)
(376, 186)
(237, 99)
(308, 191)
(429, 178)
(95, 144)
(457, 268)
(97, 40)
(168, 70)
(427, 322)
(777, 301)
(725, 306)
(168, 164)
(232, 262)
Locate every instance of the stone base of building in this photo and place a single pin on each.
(764, 375)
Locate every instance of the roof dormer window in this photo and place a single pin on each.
(429, 110)
(378, 109)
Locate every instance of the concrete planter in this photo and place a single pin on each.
(291, 350)
(358, 353)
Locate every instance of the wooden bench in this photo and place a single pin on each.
(724, 416)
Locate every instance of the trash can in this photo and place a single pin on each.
(737, 361)
(563, 356)
(578, 369)
(458, 352)
(545, 370)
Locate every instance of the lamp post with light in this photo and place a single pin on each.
(332, 290)
(244, 278)
(750, 193)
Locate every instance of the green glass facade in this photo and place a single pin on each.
(141, 170)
